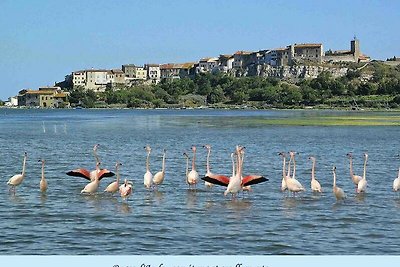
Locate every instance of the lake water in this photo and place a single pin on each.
(175, 220)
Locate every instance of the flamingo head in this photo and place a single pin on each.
(282, 154)
(96, 146)
(349, 155)
(42, 161)
(148, 148)
(292, 154)
(312, 158)
(186, 155)
(334, 168)
(365, 156)
(25, 154)
(118, 164)
(207, 146)
(193, 148)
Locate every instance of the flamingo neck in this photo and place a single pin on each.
(313, 171)
(239, 167)
(147, 162)
(284, 168)
(398, 175)
(117, 171)
(233, 165)
(187, 166)
(96, 157)
(194, 160)
(208, 161)
(163, 163)
(294, 168)
(288, 171)
(334, 179)
(24, 166)
(365, 169)
(42, 171)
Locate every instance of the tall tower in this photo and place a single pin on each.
(355, 48)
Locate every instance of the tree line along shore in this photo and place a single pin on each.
(375, 86)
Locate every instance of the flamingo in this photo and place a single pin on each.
(92, 187)
(246, 181)
(18, 178)
(235, 182)
(159, 176)
(193, 175)
(43, 182)
(92, 175)
(362, 184)
(337, 191)
(283, 183)
(293, 185)
(187, 168)
(315, 185)
(284, 176)
(396, 183)
(147, 179)
(114, 186)
(355, 178)
(125, 189)
(211, 175)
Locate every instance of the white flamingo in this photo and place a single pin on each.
(355, 178)
(315, 185)
(208, 172)
(187, 168)
(148, 177)
(114, 186)
(43, 182)
(337, 191)
(125, 189)
(92, 175)
(293, 185)
(396, 183)
(193, 175)
(18, 178)
(235, 182)
(362, 184)
(158, 178)
(92, 187)
(284, 175)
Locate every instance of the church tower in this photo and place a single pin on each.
(355, 48)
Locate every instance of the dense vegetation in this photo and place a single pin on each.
(377, 86)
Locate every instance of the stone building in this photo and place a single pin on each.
(352, 55)
(153, 73)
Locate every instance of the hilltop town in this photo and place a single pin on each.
(292, 63)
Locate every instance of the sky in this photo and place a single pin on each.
(41, 41)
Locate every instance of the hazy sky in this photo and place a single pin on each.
(41, 41)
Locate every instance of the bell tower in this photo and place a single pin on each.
(355, 48)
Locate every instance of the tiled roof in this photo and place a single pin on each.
(243, 53)
(307, 45)
(39, 92)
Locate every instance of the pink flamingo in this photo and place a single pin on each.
(18, 178)
(125, 189)
(114, 186)
(355, 178)
(92, 175)
(211, 175)
(193, 175)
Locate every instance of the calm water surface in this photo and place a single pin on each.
(175, 220)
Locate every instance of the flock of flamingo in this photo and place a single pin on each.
(234, 183)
